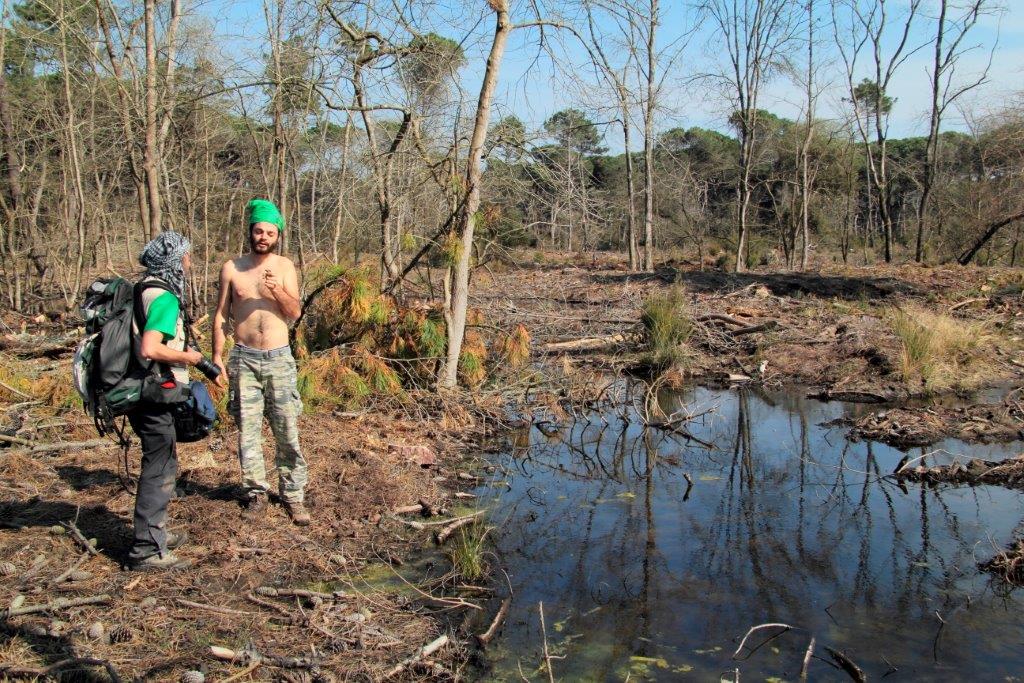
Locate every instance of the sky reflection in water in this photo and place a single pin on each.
(786, 521)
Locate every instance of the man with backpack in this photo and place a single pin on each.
(162, 341)
(259, 292)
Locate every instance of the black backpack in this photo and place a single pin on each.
(109, 371)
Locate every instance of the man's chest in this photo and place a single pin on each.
(246, 284)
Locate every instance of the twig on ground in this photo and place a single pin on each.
(47, 671)
(425, 651)
(211, 608)
(54, 605)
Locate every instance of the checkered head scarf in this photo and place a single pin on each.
(162, 258)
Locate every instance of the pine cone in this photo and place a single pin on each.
(193, 677)
(120, 634)
(8, 569)
(266, 591)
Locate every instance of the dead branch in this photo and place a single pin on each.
(446, 532)
(251, 657)
(54, 605)
(80, 538)
(485, 637)
(847, 665)
(807, 659)
(754, 629)
(547, 654)
(212, 608)
(425, 651)
(47, 671)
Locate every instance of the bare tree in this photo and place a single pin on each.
(861, 26)
(756, 33)
(950, 33)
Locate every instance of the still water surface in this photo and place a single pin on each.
(786, 521)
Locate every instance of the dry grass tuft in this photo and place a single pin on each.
(939, 351)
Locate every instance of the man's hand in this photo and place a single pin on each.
(222, 378)
(270, 280)
(192, 357)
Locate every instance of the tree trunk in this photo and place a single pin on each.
(634, 255)
(649, 141)
(455, 311)
(151, 164)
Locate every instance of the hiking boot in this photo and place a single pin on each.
(256, 504)
(297, 511)
(157, 562)
(175, 539)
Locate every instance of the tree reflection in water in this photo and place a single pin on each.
(787, 521)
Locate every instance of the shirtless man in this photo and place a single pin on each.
(259, 292)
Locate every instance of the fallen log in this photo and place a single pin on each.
(36, 346)
(585, 344)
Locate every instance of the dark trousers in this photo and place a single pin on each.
(155, 426)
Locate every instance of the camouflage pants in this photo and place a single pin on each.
(264, 382)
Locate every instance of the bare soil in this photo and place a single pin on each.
(826, 330)
(362, 467)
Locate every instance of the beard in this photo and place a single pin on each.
(262, 248)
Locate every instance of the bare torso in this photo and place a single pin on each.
(258, 321)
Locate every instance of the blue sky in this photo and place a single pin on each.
(533, 87)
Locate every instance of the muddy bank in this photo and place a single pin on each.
(910, 427)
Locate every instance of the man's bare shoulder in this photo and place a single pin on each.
(283, 262)
(235, 265)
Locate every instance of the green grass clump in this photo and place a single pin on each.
(667, 326)
(468, 552)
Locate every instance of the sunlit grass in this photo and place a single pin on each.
(939, 351)
(668, 326)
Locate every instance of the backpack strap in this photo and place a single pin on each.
(138, 310)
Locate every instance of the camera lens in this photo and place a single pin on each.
(211, 371)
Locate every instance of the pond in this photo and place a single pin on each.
(643, 576)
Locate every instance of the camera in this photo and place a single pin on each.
(206, 367)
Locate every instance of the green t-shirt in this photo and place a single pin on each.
(162, 315)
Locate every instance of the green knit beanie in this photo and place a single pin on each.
(264, 211)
